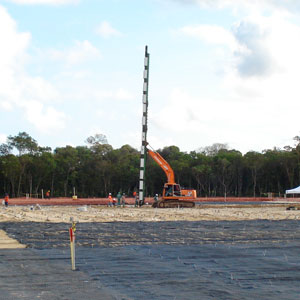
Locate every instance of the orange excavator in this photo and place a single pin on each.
(173, 195)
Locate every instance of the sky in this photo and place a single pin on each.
(222, 71)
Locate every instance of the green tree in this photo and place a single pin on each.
(254, 162)
(23, 142)
(10, 167)
(42, 171)
(126, 169)
(66, 163)
(273, 173)
(202, 173)
(5, 149)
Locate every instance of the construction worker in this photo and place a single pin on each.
(169, 190)
(47, 195)
(119, 196)
(156, 198)
(123, 200)
(136, 198)
(6, 199)
(110, 200)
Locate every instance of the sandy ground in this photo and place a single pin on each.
(8, 243)
(57, 214)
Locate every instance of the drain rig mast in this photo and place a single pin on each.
(144, 129)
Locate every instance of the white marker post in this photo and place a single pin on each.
(72, 245)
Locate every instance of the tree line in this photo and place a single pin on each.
(97, 169)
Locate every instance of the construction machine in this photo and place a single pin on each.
(173, 195)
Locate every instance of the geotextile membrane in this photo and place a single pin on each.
(154, 260)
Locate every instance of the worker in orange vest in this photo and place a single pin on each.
(47, 196)
(6, 199)
(136, 199)
(110, 200)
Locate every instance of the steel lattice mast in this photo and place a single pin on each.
(144, 128)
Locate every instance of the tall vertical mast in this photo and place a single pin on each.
(144, 128)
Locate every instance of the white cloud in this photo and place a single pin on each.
(5, 105)
(259, 94)
(254, 58)
(79, 53)
(12, 54)
(106, 30)
(51, 2)
(81, 74)
(45, 119)
(288, 5)
(120, 94)
(19, 90)
(271, 47)
(132, 138)
(3, 138)
(13, 43)
(260, 46)
(159, 142)
(181, 111)
(199, 121)
(212, 34)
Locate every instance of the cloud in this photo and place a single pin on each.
(46, 119)
(120, 94)
(3, 138)
(79, 53)
(254, 57)
(259, 45)
(106, 30)
(51, 2)
(12, 53)
(5, 105)
(211, 34)
(180, 116)
(270, 46)
(19, 90)
(194, 120)
(159, 142)
(288, 5)
(258, 88)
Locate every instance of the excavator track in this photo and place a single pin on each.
(174, 203)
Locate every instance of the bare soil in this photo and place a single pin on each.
(96, 213)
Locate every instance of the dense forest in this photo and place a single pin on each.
(96, 169)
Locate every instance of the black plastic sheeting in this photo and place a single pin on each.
(159, 260)
(24, 274)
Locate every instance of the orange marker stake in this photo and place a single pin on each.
(72, 245)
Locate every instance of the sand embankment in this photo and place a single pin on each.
(9, 243)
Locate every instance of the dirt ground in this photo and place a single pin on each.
(9, 243)
(85, 213)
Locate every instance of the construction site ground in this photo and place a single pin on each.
(215, 251)
(131, 200)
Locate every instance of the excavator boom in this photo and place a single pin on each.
(164, 165)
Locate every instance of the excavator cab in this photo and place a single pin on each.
(171, 190)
